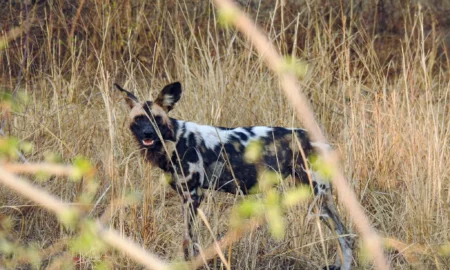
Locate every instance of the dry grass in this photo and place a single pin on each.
(388, 119)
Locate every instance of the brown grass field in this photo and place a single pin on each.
(382, 98)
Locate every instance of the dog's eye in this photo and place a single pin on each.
(158, 119)
(139, 118)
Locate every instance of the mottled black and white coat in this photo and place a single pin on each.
(207, 157)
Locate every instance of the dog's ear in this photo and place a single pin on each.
(130, 98)
(170, 95)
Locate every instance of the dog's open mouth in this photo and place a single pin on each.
(148, 142)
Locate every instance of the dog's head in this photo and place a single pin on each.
(149, 121)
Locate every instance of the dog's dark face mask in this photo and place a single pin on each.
(149, 129)
(150, 123)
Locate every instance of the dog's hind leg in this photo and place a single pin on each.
(328, 211)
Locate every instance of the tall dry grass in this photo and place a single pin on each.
(388, 119)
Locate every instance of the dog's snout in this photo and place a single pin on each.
(147, 133)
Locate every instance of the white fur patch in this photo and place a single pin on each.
(194, 167)
(168, 100)
(210, 135)
(213, 137)
(242, 130)
(261, 131)
(197, 167)
(322, 147)
(136, 111)
(258, 132)
(322, 185)
(179, 131)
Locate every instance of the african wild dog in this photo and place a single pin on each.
(202, 157)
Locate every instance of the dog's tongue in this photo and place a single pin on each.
(147, 142)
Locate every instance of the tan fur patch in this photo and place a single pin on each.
(156, 110)
(237, 146)
(270, 149)
(136, 111)
(291, 140)
(170, 147)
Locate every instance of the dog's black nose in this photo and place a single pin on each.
(148, 134)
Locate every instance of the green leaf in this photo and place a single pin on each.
(9, 103)
(444, 250)
(296, 195)
(253, 151)
(250, 208)
(9, 147)
(247, 209)
(26, 147)
(42, 176)
(103, 265)
(6, 223)
(82, 167)
(294, 66)
(364, 254)
(325, 169)
(20, 102)
(179, 265)
(5, 99)
(6, 247)
(33, 255)
(52, 157)
(268, 180)
(88, 241)
(226, 16)
(69, 218)
(274, 215)
(167, 178)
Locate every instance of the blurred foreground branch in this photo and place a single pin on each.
(227, 240)
(71, 214)
(291, 87)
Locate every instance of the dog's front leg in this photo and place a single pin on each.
(191, 201)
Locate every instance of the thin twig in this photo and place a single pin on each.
(33, 168)
(25, 50)
(74, 22)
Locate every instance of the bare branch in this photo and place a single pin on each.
(291, 88)
(55, 205)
